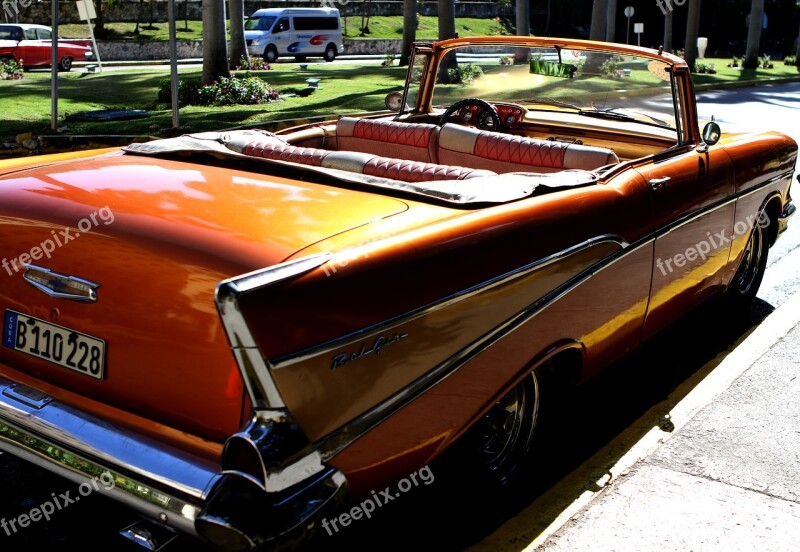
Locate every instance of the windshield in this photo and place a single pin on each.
(256, 23)
(624, 88)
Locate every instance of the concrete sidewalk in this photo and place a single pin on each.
(728, 478)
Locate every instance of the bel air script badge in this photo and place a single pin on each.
(380, 343)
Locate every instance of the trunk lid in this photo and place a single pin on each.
(157, 236)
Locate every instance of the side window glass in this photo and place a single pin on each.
(30, 34)
(44, 34)
(281, 26)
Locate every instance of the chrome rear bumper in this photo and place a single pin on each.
(161, 483)
(279, 492)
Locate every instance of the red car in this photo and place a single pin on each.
(30, 45)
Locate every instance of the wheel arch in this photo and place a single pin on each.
(772, 206)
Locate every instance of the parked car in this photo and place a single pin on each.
(31, 46)
(298, 32)
(251, 333)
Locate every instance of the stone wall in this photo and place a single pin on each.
(127, 50)
(29, 11)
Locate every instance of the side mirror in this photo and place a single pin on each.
(394, 101)
(711, 133)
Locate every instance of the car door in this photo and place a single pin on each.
(282, 34)
(692, 192)
(29, 49)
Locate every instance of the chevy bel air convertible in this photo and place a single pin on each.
(249, 332)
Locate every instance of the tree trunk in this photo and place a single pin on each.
(611, 21)
(99, 23)
(215, 45)
(138, 17)
(692, 28)
(447, 29)
(668, 31)
(754, 34)
(238, 44)
(409, 30)
(598, 29)
(547, 20)
(797, 50)
(523, 17)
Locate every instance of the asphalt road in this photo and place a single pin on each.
(448, 515)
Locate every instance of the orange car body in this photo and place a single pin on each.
(270, 333)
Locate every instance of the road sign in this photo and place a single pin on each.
(86, 10)
(87, 13)
(629, 11)
(638, 28)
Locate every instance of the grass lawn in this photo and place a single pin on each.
(343, 89)
(734, 74)
(379, 27)
(191, 30)
(392, 27)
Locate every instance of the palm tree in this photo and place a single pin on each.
(409, 30)
(668, 31)
(611, 20)
(447, 19)
(598, 29)
(238, 45)
(797, 52)
(215, 45)
(447, 29)
(523, 16)
(754, 34)
(692, 28)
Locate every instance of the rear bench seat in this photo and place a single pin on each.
(358, 162)
(415, 141)
(460, 145)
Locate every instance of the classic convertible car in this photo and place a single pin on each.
(250, 332)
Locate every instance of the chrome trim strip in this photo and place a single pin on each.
(49, 282)
(339, 342)
(342, 437)
(261, 387)
(151, 477)
(694, 215)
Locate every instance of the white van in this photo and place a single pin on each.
(300, 32)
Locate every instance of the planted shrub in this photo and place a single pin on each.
(244, 90)
(10, 69)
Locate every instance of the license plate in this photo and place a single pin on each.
(57, 344)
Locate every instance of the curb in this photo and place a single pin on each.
(657, 425)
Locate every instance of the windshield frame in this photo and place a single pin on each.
(678, 96)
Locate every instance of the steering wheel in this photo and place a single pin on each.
(483, 114)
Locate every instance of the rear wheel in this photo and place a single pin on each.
(65, 64)
(743, 288)
(503, 437)
(270, 54)
(330, 52)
